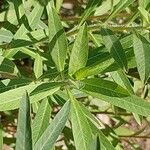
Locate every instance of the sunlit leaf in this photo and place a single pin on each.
(57, 39)
(142, 55)
(10, 99)
(119, 7)
(41, 120)
(24, 134)
(82, 132)
(55, 128)
(79, 54)
(38, 66)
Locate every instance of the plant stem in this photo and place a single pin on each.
(122, 137)
(90, 18)
(97, 27)
(110, 113)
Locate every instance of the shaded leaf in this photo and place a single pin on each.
(94, 69)
(19, 9)
(116, 95)
(114, 46)
(7, 68)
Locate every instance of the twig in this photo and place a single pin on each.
(110, 113)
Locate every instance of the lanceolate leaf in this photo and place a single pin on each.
(120, 78)
(58, 4)
(33, 20)
(95, 68)
(95, 129)
(119, 7)
(55, 128)
(79, 54)
(5, 36)
(111, 92)
(145, 15)
(144, 3)
(142, 55)
(38, 66)
(24, 134)
(35, 15)
(114, 46)
(10, 99)
(57, 39)
(41, 120)
(7, 68)
(19, 9)
(104, 142)
(82, 132)
(91, 6)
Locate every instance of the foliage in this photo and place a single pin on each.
(62, 71)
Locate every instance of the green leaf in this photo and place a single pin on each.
(79, 54)
(38, 66)
(105, 144)
(105, 7)
(113, 93)
(82, 132)
(5, 36)
(35, 15)
(89, 115)
(143, 3)
(55, 128)
(33, 20)
(93, 69)
(120, 78)
(91, 7)
(114, 46)
(10, 99)
(25, 38)
(119, 7)
(24, 134)
(19, 9)
(142, 55)
(57, 39)
(41, 120)
(58, 4)
(145, 14)
(7, 68)
(8, 84)
(94, 124)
